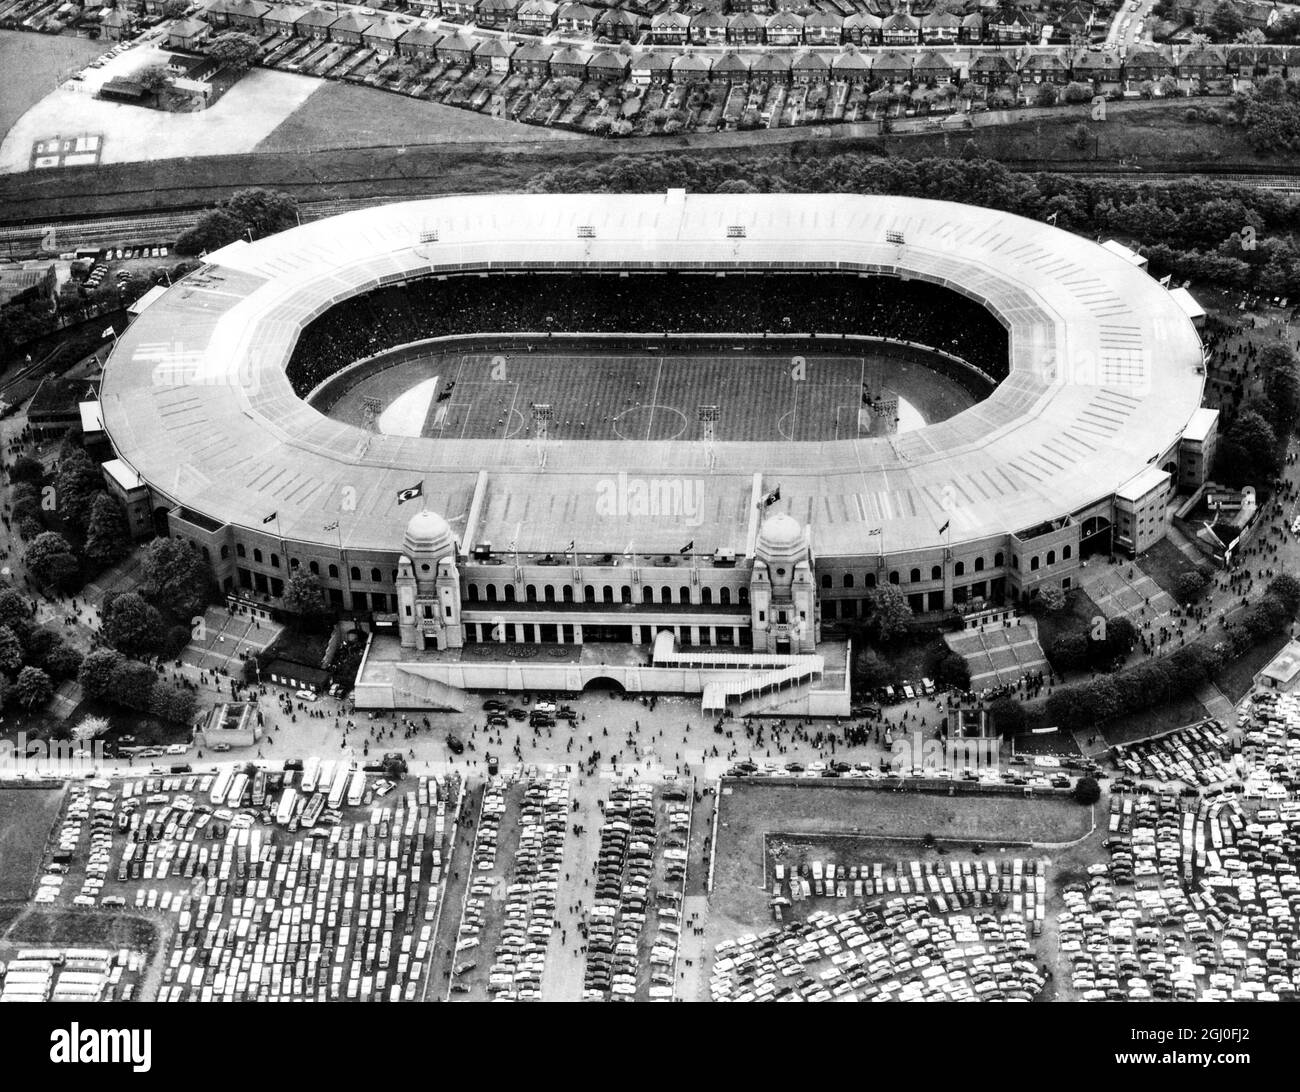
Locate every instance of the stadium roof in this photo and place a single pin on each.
(1104, 377)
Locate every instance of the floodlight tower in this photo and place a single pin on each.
(543, 415)
(709, 415)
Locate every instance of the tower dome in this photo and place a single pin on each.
(780, 538)
(427, 533)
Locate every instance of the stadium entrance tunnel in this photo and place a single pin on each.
(1095, 536)
(605, 683)
(161, 526)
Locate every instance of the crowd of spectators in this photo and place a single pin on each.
(821, 304)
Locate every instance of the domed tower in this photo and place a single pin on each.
(428, 585)
(784, 614)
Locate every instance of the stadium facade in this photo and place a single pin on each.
(691, 565)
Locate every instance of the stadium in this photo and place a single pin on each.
(661, 442)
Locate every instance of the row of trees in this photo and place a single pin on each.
(1099, 648)
(251, 213)
(1251, 450)
(107, 675)
(1154, 682)
(160, 617)
(32, 659)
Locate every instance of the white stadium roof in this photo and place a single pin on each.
(1104, 377)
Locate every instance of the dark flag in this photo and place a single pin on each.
(687, 548)
(404, 495)
(271, 517)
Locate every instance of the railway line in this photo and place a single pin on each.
(152, 228)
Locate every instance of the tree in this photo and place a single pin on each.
(132, 684)
(1086, 790)
(214, 230)
(1285, 588)
(303, 596)
(62, 662)
(1069, 652)
(107, 541)
(265, 212)
(233, 49)
(32, 688)
(90, 727)
(98, 670)
(1009, 717)
(176, 578)
(870, 672)
(1189, 586)
(51, 561)
(15, 611)
(891, 612)
(1248, 454)
(1226, 20)
(153, 77)
(131, 625)
(1045, 94)
(176, 704)
(26, 469)
(952, 672)
(11, 651)
(76, 485)
(1078, 92)
(1053, 598)
(1079, 136)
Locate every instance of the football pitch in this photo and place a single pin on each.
(650, 397)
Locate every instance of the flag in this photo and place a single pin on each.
(331, 526)
(272, 516)
(404, 495)
(873, 531)
(1164, 281)
(945, 526)
(569, 548)
(687, 548)
(109, 332)
(771, 498)
(1052, 219)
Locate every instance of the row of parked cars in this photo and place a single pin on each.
(1196, 755)
(889, 950)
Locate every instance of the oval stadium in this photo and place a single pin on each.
(660, 442)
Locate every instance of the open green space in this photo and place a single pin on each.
(26, 818)
(34, 65)
(1165, 562)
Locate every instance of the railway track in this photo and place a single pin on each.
(152, 229)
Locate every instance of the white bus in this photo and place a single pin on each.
(288, 803)
(221, 787)
(310, 774)
(356, 789)
(238, 786)
(339, 786)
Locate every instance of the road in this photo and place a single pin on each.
(1129, 27)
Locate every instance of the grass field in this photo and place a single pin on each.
(649, 397)
(342, 115)
(1165, 562)
(750, 811)
(33, 65)
(26, 818)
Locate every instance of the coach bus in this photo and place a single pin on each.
(221, 787)
(238, 786)
(339, 786)
(259, 788)
(288, 802)
(312, 811)
(356, 789)
(310, 774)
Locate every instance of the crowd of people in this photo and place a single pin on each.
(821, 304)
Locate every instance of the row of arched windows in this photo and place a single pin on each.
(915, 576)
(489, 593)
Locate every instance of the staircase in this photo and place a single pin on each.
(416, 692)
(751, 686)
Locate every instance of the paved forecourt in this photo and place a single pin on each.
(1105, 372)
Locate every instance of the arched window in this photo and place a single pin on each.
(647, 594)
(239, 550)
(1015, 561)
(665, 594)
(998, 560)
(706, 595)
(959, 569)
(355, 573)
(589, 594)
(293, 564)
(607, 594)
(936, 573)
(491, 590)
(1065, 553)
(530, 593)
(979, 564)
(313, 567)
(724, 597)
(744, 597)
(1033, 563)
(893, 577)
(225, 552)
(275, 561)
(510, 593)
(375, 576)
(568, 593)
(685, 594)
(871, 580)
(848, 580)
(472, 593)
(914, 576)
(334, 572)
(257, 556)
(826, 581)
(625, 593)
(1051, 557)
(548, 593)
